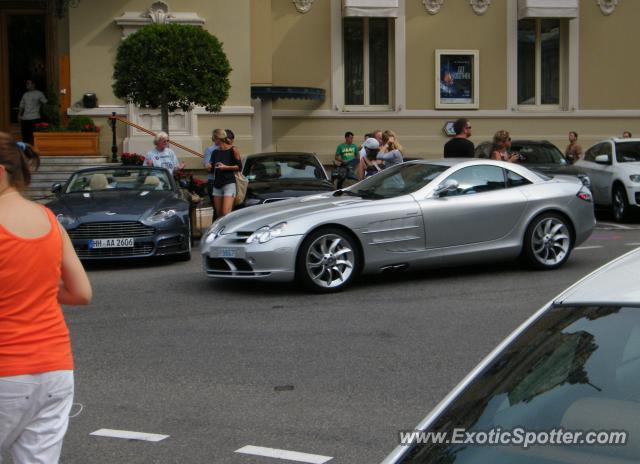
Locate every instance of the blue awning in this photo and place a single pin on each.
(298, 93)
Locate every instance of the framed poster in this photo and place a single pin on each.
(457, 79)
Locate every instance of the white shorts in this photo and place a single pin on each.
(228, 190)
(34, 415)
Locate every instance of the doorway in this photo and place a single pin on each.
(24, 55)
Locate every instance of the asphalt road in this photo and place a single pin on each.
(218, 366)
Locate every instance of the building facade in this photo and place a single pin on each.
(306, 71)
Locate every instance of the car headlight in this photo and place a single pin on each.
(252, 201)
(635, 178)
(65, 219)
(264, 234)
(162, 215)
(214, 231)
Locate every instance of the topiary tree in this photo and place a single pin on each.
(171, 66)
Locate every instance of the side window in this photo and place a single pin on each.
(591, 153)
(477, 179)
(515, 180)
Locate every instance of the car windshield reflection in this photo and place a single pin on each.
(282, 168)
(571, 369)
(119, 179)
(396, 181)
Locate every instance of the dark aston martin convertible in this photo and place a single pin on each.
(278, 176)
(123, 212)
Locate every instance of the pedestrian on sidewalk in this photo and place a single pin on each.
(39, 271)
(460, 146)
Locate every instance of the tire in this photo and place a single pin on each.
(547, 241)
(186, 256)
(328, 260)
(619, 204)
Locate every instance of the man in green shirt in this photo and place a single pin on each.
(345, 158)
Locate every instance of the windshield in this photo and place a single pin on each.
(280, 168)
(627, 152)
(119, 179)
(576, 368)
(539, 154)
(398, 180)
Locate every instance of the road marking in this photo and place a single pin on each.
(284, 454)
(613, 225)
(128, 435)
(632, 244)
(588, 247)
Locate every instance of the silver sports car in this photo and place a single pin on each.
(412, 215)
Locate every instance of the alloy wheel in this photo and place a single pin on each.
(619, 204)
(551, 241)
(330, 261)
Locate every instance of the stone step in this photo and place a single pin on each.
(47, 160)
(53, 176)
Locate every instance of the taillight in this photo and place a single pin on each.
(585, 195)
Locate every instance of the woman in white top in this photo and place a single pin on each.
(501, 146)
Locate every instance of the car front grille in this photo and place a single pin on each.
(235, 267)
(139, 249)
(121, 229)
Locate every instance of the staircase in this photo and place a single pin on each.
(57, 169)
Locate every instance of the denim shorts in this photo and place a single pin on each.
(228, 190)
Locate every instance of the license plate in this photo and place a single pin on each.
(111, 243)
(227, 252)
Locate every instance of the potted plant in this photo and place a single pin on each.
(79, 138)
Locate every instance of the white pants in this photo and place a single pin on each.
(34, 415)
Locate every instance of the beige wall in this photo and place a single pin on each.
(302, 49)
(261, 42)
(456, 27)
(609, 66)
(94, 38)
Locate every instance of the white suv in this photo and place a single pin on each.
(614, 169)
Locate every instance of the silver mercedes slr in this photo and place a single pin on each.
(413, 215)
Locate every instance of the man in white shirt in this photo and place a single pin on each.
(29, 110)
(162, 156)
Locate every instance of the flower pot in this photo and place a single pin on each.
(67, 143)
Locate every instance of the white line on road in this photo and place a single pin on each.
(284, 454)
(632, 244)
(128, 435)
(588, 247)
(613, 225)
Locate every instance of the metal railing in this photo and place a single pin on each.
(113, 119)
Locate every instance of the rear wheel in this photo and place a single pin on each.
(619, 204)
(328, 261)
(547, 241)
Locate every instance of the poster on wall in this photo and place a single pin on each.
(457, 84)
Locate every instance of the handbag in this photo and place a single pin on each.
(339, 172)
(241, 188)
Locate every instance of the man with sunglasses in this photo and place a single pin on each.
(460, 146)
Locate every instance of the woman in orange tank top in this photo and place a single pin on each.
(39, 270)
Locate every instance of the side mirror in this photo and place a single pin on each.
(603, 159)
(448, 185)
(56, 188)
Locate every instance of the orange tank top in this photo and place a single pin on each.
(33, 335)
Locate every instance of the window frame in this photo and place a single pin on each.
(397, 63)
(366, 65)
(570, 83)
(562, 59)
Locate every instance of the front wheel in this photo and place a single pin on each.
(328, 261)
(547, 241)
(619, 204)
